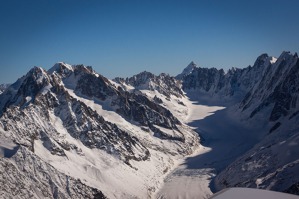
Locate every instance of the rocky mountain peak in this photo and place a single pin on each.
(187, 70)
(261, 59)
(80, 68)
(162, 83)
(38, 74)
(36, 80)
(140, 78)
(64, 69)
(287, 56)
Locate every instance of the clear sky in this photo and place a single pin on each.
(124, 37)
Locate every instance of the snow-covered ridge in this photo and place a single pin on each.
(162, 83)
(82, 124)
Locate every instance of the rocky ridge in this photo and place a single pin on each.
(61, 113)
(162, 83)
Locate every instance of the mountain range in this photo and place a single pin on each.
(69, 132)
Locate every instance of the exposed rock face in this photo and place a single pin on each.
(140, 109)
(94, 86)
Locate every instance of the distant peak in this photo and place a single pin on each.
(190, 67)
(187, 70)
(263, 56)
(144, 74)
(192, 64)
(261, 59)
(287, 54)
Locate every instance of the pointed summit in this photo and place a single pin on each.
(261, 59)
(187, 70)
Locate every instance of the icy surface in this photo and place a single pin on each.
(224, 139)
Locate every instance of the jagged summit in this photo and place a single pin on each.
(38, 74)
(64, 69)
(236, 82)
(262, 57)
(140, 79)
(187, 70)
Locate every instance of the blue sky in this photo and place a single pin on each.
(124, 37)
